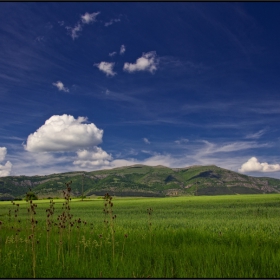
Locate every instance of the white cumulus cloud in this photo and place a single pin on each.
(122, 49)
(95, 157)
(3, 152)
(5, 170)
(254, 165)
(88, 18)
(148, 62)
(63, 133)
(61, 86)
(106, 67)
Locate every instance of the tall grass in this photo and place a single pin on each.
(184, 237)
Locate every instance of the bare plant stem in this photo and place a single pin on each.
(125, 236)
(108, 209)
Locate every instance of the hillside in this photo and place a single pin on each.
(141, 180)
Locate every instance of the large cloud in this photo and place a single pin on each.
(96, 157)
(3, 152)
(148, 62)
(106, 67)
(63, 133)
(254, 165)
(5, 170)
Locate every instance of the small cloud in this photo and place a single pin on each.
(95, 157)
(39, 39)
(148, 62)
(182, 141)
(253, 165)
(107, 92)
(88, 18)
(61, 23)
(122, 50)
(74, 31)
(146, 141)
(112, 54)
(106, 67)
(111, 22)
(256, 135)
(64, 133)
(49, 25)
(60, 86)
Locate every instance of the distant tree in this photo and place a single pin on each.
(31, 196)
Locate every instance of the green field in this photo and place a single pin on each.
(183, 237)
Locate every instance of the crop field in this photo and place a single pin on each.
(112, 237)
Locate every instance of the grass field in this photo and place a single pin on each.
(181, 237)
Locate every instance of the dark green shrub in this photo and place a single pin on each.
(31, 196)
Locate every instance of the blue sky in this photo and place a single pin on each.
(88, 86)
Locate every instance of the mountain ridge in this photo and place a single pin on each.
(140, 180)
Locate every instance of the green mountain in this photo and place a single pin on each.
(140, 180)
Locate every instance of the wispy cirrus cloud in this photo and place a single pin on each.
(181, 141)
(146, 140)
(256, 135)
(212, 148)
(111, 22)
(147, 62)
(106, 67)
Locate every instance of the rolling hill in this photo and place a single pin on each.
(140, 180)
